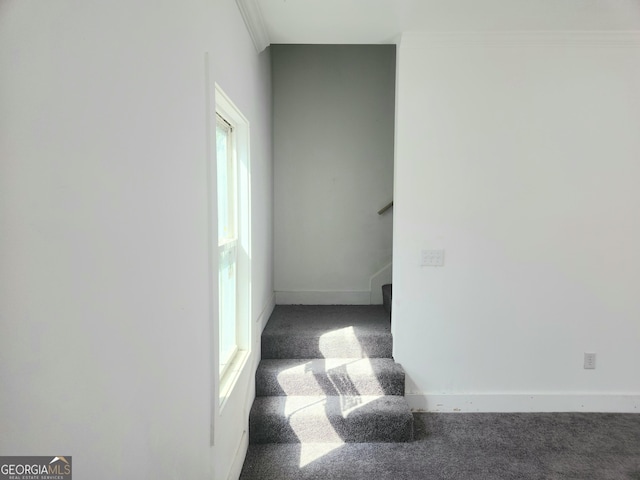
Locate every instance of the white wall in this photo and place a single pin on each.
(246, 78)
(104, 281)
(518, 154)
(333, 155)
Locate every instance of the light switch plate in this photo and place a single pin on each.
(432, 258)
(589, 361)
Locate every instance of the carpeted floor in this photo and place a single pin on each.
(470, 446)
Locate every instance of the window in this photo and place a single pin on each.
(227, 242)
(233, 241)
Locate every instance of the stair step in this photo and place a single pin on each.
(387, 293)
(327, 419)
(327, 331)
(331, 376)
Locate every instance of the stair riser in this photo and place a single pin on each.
(386, 297)
(365, 429)
(330, 419)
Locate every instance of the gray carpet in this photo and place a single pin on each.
(470, 446)
(338, 376)
(327, 376)
(327, 331)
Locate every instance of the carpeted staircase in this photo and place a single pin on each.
(327, 376)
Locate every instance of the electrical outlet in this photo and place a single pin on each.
(432, 258)
(589, 361)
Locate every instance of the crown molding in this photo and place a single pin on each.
(610, 39)
(254, 21)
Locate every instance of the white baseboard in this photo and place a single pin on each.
(238, 459)
(266, 312)
(610, 403)
(323, 298)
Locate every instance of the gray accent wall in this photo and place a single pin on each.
(333, 128)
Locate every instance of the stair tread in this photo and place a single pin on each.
(332, 404)
(325, 331)
(318, 320)
(316, 365)
(337, 376)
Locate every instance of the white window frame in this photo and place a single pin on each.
(227, 376)
(228, 241)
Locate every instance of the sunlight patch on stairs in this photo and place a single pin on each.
(327, 377)
(297, 411)
(328, 341)
(330, 376)
(310, 452)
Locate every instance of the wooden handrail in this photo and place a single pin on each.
(385, 208)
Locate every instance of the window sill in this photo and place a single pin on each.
(230, 376)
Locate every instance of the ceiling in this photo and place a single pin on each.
(382, 21)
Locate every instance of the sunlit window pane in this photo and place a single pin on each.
(227, 243)
(226, 190)
(227, 293)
